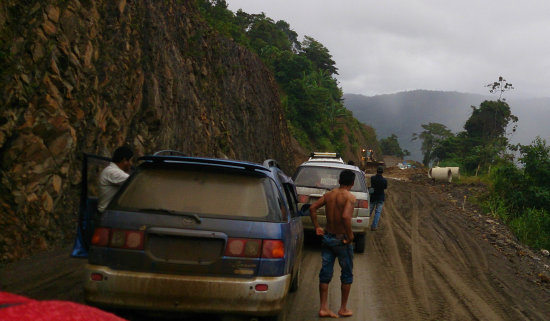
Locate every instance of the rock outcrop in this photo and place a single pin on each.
(88, 76)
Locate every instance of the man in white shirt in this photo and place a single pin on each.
(113, 176)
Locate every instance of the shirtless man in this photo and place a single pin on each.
(337, 239)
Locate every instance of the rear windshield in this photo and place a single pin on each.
(325, 177)
(200, 192)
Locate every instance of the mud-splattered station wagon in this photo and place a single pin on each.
(199, 235)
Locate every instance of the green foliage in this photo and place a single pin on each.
(533, 228)
(220, 18)
(490, 120)
(521, 195)
(319, 55)
(304, 71)
(481, 145)
(390, 146)
(432, 136)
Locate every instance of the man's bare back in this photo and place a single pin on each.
(339, 204)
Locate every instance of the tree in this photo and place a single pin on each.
(264, 32)
(486, 129)
(319, 55)
(490, 120)
(500, 87)
(432, 136)
(390, 146)
(291, 35)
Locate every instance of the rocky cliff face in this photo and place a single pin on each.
(88, 76)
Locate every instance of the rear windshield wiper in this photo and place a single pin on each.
(171, 212)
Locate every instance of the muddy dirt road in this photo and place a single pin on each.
(429, 260)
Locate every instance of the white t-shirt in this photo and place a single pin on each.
(110, 180)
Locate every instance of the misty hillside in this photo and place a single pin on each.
(403, 114)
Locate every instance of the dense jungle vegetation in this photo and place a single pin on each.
(518, 175)
(304, 71)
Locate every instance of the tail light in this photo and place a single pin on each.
(101, 236)
(362, 204)
(273, 249)
(243, 247)
(254, 248)
(304, 199)
(117, 238)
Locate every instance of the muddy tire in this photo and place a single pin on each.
(280, 317)
(360, 243)
(295, 283)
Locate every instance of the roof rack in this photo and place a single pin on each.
(271, 163)
(324, 155)
(202, 160)
(169, 152)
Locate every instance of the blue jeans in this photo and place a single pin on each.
(378, 206)
(333, 248)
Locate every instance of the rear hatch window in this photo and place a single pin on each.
(325, 177)
(199, 192)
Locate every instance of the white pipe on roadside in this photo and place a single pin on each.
(455, 171)
(441, 174)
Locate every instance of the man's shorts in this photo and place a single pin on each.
(333, 248)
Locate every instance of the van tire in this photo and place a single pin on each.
(295, 283)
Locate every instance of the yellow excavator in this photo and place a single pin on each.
(369, 164)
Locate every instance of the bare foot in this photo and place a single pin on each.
(345, 313)
(327, 314)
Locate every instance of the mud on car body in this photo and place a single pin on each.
(198, 235)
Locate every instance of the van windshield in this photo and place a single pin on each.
(325, 177)
(200, 192)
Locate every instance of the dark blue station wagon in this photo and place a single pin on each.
(198, 235)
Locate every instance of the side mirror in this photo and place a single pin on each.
(304, 211)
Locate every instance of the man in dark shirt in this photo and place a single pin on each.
(379, 184)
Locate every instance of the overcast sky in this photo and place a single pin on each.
(383, 47)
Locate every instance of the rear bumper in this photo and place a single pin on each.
(359, 225)
(167, 292)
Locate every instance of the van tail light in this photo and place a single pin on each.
(255, 248)
(362, 204)
(243, 247)
(117, 238)
(304, 199)
(273, 249)
(101, 236)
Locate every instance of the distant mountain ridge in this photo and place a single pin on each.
(403, 114)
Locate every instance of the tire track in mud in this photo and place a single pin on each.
(432, 265)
